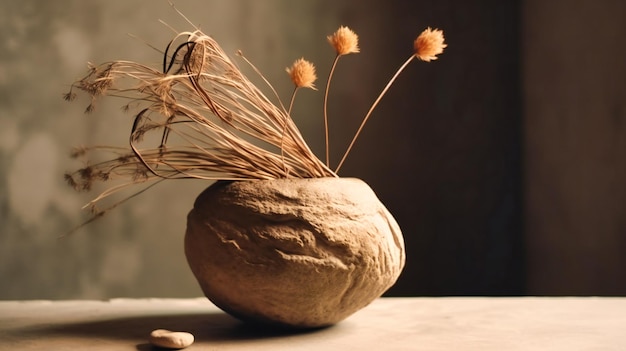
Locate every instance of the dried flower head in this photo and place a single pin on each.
(429, 44)
(302, 74)
(345, 41)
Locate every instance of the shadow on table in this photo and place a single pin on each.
(212, 327)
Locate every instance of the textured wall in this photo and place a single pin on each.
(575, 127)
(447, 152)
(137, 249)
(442, 150)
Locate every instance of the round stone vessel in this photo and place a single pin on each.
(293, 252)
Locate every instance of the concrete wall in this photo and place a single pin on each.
(502, 161)
(44, 46)
(575, 146)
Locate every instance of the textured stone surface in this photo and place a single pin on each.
(299, 252)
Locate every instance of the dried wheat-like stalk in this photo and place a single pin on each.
(210, 121)
(200, 117)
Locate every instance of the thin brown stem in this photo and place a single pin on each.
(330, 76)
(101, 213)
(369, 113)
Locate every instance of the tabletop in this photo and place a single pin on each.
(442, 323)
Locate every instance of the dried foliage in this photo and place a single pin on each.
(211, 122)
(199, 116)
(302, 74)
(429, 44)
(345, 41)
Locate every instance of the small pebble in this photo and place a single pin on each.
(170, 339)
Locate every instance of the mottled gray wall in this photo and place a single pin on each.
(442, 150)
(44, 46)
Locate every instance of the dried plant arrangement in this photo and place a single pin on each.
(225, 127)
(319, 246)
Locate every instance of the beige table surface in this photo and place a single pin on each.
(466, 323)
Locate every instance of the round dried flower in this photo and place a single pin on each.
(345, 41)
(302, 74)
(429, 44)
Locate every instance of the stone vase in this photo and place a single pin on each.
(293, 252)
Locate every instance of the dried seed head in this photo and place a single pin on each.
(140, 174)
(78, 151)
(90, 108)
(302, 74)
(345, 41)
(429, 44)
(70, 96)
(71, 181)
